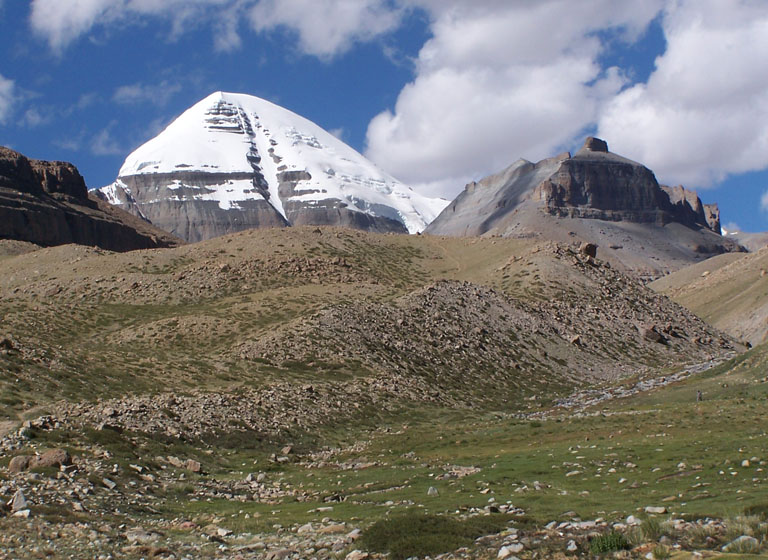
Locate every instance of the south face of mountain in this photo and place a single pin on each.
(234, 162)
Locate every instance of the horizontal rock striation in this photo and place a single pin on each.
(234, 162)
(47, 203)
(596, 184)
(595, 196)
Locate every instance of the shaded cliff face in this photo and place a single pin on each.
(595, 196)
(234, 162)
(47, 203)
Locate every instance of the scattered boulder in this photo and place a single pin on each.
(52, 458)
(194, 466)
(506, 553)
(655, 509)
(280, 554)
(432, 492)
(651, 333)
(19, 464)
(742, 543)
(18, 502)
(588, 249)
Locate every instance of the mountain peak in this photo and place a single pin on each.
(234, 161)
(599, 197)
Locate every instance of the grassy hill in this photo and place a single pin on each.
(267, 393)
(728, 291)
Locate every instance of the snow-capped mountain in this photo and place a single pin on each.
(235, 161)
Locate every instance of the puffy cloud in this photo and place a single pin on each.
(155, 94)
(326, 28)
(703, 114)
(492, 86)
(63, 22)
(7, 98)
(342, 22)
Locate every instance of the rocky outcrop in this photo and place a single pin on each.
(593, 183)
(172, 202)
(47, 203)
(595, 196)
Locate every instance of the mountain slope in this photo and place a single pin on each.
(728, 291)
(475, 319)
(233, 162)
(47, 203)
(595, 196)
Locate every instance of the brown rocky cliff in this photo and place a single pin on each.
(597, 184)
(47, 203)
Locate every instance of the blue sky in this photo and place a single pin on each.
(437, 92)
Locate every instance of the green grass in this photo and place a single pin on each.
(419, 535)
(609, 542)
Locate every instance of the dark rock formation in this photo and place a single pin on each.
(47, 203)
(596, 184)
(593, 196)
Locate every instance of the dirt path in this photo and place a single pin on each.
(7, 426)
(447, 255)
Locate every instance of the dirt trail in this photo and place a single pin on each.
(7, 426)
(448, 255)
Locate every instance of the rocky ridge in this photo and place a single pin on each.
(596, 196)
(494, 340)
(47, 203)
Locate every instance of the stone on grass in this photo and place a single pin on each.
(332, 529)
(655, 509)
(18, 502)
(505, 553)
(432, 491)
(194, 466)
(52, 458)
(357, 555)
(741, 544)
(19, 464)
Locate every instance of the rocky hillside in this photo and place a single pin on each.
(47, 203)
(596, 196)
(234, 162)
(412, 318)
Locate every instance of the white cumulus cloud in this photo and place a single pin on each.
(326, 28)
(703, 114)
(7, 98)
(499, 80)
(61, 22)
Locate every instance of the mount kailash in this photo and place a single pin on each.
(233, 162)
